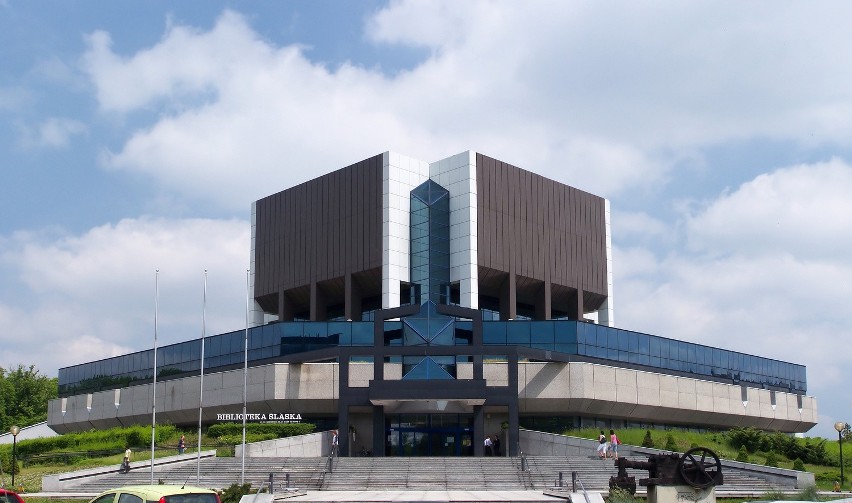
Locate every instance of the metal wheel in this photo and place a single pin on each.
(700, 468)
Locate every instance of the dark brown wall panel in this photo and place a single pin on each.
(539, 228)
(320, 229)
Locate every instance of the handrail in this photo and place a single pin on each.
(526, 476)
(585, 493)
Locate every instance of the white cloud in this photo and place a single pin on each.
(803, 210)
(55, 132)
(750, 285)
(97, 289)
(575, 103)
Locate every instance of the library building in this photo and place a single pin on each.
(418, 307)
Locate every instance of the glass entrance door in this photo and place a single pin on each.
(429, 435)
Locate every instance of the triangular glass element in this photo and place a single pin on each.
(429, 192)
(431, 326)
(427, 369)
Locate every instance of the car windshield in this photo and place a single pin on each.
(192, 498)
(8, 498)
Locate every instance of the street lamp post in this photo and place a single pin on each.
(839, 426)
(14, 430)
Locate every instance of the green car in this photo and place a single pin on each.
(157, 494)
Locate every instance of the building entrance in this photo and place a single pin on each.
(429, 435)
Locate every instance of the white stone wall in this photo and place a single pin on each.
(400, 174)
(312, 445)
(256, 315)
(604, 391)
(457, 174)
(606, 314)
(544, 388)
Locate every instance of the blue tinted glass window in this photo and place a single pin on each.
(494, 332)
(601, 336)
(623, 343)
(362, 333)
(518, 333)
(569, 348)
(541, 332)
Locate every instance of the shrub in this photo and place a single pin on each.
(280, 430)
(648, 441)
(742, 454)
(250, 437)
(809, 493)
(750, 438)
(671, 445)
(798, 464)
(618, 495)
(234, 492)
(771, 460)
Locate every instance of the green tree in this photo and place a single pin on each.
(671, 445)
(771, 459)
(742, 454)
(648, 441)
(24, 393)
(751, 438)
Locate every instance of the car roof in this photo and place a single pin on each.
(157, 491)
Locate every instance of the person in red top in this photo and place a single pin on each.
(613, 444)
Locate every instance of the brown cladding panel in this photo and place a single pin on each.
(317, 230)
(539, 228)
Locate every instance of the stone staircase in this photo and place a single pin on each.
(370, 473)
(305, 473)
(426, 473)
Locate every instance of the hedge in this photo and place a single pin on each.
(280, 430)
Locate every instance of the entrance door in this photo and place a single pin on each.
(429, 435)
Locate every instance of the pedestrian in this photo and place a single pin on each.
(125, 463)
(488, 446)
(182, 444)
(334, 442)
(613, 444)
(601, 445)
(495, 445)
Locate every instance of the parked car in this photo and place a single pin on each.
(7, 496)
(157, 494)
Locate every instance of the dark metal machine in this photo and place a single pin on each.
(699, 468)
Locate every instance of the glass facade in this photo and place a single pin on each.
(430, 243)
(609, 345)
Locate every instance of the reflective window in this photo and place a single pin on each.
(569, 337)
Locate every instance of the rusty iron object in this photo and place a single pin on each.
(698, 467)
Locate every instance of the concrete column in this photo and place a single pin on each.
(285, 307)
(352, 299)
(379, 430)
(514, 427)
(575, 305)
(318, 312)
(509, 299)
(478, 431)
(543, 302)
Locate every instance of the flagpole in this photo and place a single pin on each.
(245, 384)
(201, 385)
(154, 386)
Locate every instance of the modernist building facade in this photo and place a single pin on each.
(418, 307)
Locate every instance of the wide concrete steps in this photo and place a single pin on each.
(425, 473)
(387, 473)
(217, 473)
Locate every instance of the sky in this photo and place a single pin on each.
(134, 137)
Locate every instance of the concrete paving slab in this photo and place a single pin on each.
(426, 496)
